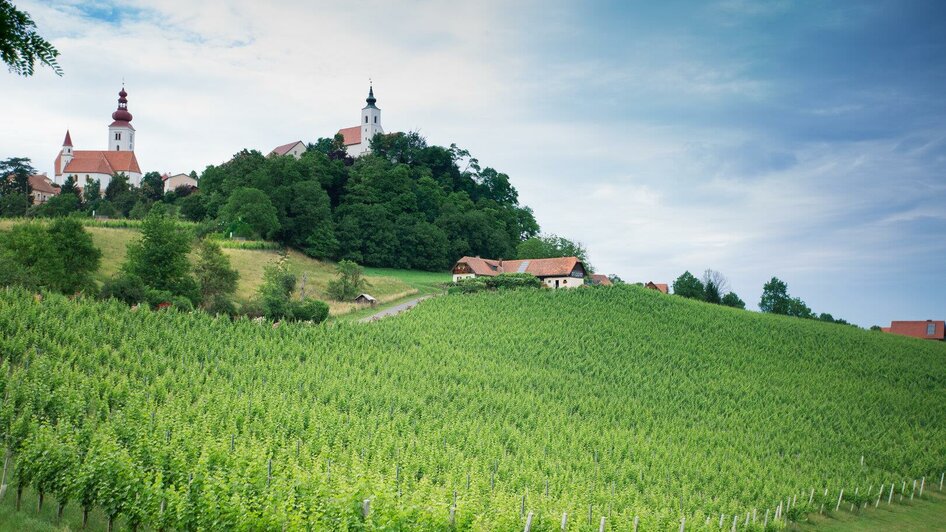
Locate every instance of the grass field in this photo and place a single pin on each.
(387, 285)
(606, 402)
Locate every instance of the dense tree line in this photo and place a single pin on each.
(405, 205)
(713, 288)
(776, 300)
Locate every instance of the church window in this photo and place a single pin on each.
(375, 120)
(118, 136)
(118, 148)
(366, 119)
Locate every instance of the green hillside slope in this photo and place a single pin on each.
(387, 285)
(615, 402)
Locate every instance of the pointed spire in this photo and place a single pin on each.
(68, 141)
(371, 99)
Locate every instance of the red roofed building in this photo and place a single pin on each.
(561, 272)
(928, 330)
(357, 139)
(42, 189)
(296, 149)
(101, 165)
(599, 279)
(660, 287)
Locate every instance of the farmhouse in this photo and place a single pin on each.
(102, 164)
(928, 330)
(296, 149)
(42, 189)
(660, 287)
(173, 182)
(562, 272)
(600, 279)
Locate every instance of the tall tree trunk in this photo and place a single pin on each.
(85, 517)
(19, 495)
(108, 527)
(62, 507)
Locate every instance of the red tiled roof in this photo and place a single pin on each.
(284, 149)
(352, 135)
(122, 123)
(99, 162)
(557, 267)
(600, 279)
(41, 183)
(919, 329)
(660, 287)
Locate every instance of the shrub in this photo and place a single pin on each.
(309, 310)
(124, 287)
(505, 281)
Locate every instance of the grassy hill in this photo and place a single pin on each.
(389, 286)
(615, 402)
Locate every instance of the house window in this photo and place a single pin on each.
(930, 329)
(565, 281)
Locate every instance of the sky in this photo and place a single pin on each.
(804, 140)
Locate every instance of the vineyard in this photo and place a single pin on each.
(477, 412)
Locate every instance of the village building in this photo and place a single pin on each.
(357, 139)
(600, 279)
(366, 299)
(101, 165)
(561, 272)
(42, 189)
(927, 330)
(660, 287)
(173, 182)
(296, 149)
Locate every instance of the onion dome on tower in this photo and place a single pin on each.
(371, 99)
(122, 114)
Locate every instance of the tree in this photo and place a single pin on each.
(152, 186)
(717, 279)
(215, 277)
(20, 46)
(15, 187)
(775, 299)
(276, 291)
(159, 258)
(192, 207)
(349, 282)
(732, 300)
(80, 258)
(37, 263)
(58, 206)
(117, 186)
(92, 191)
(70, 186)
(615, 279)
(551, 246)
(251, 206)
(687, 285)
(711, 293)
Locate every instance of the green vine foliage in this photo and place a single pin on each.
(615, 400)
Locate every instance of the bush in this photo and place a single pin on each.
(349, 283)
(309, 310)
(123, 287)
(505, 281)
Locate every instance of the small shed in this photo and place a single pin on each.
(366, 299)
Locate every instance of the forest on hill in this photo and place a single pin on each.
(473, 411)
(405, 205)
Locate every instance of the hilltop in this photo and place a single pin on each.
(615, 402)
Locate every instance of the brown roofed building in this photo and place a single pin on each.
(928, 330)
(42, 189)
(561, 272)
(660, 287)
(600, 279)
(296, 149)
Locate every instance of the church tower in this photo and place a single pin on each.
(121, 135)
(370, 119)
(65, 156)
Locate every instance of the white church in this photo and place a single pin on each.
(357, 139)
(102, 164)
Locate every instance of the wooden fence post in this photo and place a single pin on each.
(453, 515)
(721, 515)
(890, 497)
(637, 522)
(840, 495)
(564, 520)
(811, 497)
(601, 526)
(922, 484)
(683, 524)
(365, 508)
(765, 523)
(941, 476)
(528, 523)
(913, 491)
(269, 472)
(879, 495)
(734, 519)
(903, 489)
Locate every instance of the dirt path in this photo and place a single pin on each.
(396, 309)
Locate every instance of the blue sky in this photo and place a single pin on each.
(804, 140)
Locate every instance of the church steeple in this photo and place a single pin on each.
(121, 134)
(370, 99)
